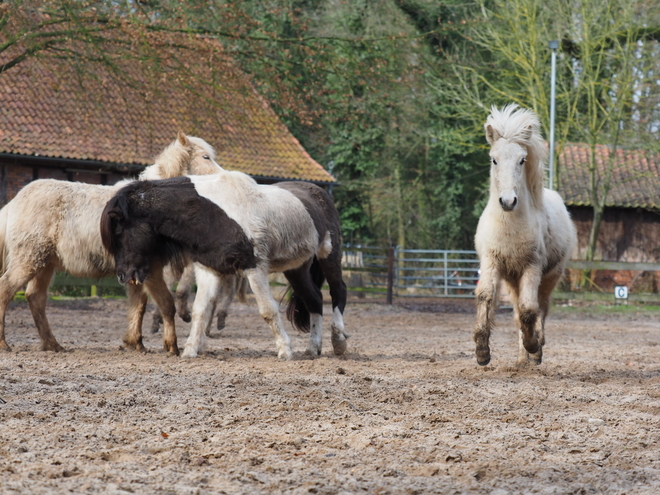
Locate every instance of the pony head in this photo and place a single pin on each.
(186, 155)
(517, 155)
(129, 233)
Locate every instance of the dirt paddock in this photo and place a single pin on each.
(407, 410)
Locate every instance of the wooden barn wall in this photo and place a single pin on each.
(626, 234)
(14, 177)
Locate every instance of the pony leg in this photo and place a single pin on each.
(156, 320)
(162, 296)
(183, 289)
(486, 300)
(36, 294)
(548, 284)
(269, 310)
(523, 355)
(203, 308)
(180, 296)
(331, 267)
(225, 297)
(528, 307)
(10, 283)
(137, 305)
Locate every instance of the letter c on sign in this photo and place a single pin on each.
(621, 292)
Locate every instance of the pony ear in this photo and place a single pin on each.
(491, 134)
(116, 214)
(527, 132)
(183, 139)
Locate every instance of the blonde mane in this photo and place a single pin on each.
(525, 243)
(522, 126)
(174, 159)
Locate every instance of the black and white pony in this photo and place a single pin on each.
(226, 223)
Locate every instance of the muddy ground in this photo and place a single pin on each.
(407, 410)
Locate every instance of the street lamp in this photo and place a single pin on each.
(553, 78)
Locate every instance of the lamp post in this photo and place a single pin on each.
(553, 78)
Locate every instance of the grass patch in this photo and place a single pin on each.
(593, 309)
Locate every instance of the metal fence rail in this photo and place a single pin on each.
(394, 272)
(412, 272)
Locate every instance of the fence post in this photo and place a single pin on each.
(390, 273)
(444, 260)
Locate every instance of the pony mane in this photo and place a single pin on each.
(173, 160)
(522, 126)
(117, 205)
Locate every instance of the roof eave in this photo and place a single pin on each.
(272, 179)
(68, 163)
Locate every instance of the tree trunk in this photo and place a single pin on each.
(593, 233)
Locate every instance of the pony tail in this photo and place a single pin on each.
(296, 311)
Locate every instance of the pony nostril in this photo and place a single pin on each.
(508, 205)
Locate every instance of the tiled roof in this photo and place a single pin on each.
(635, 179)
(54, 108)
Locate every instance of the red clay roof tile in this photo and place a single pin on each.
(50, 109)
(635, 176)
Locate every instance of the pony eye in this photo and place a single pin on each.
(523, 160)
(206, 157)
(494, 161)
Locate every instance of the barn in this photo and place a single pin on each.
(90, 122)
(630, 229)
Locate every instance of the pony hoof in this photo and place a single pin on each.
(313, 352)
(483, 356)
(135, 346)
(537, 357)
(532, 347)
(155, 329)
(285, 355)
(189, 353)
(172, 350)
(338, 344)
(4, 347)
(55, 347)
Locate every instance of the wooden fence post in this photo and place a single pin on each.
(390, 274)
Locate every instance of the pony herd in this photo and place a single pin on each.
(188, 217)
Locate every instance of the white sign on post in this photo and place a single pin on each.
(620, 292)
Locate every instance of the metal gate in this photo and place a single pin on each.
(411, 272)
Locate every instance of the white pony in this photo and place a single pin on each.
(525, 234)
